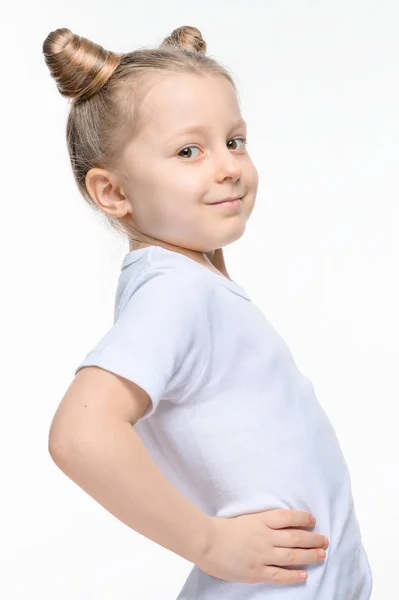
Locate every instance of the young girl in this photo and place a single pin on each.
(189, 419)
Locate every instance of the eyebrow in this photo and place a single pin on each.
(199, 128)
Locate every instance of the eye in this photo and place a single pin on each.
(243, 140)
(186, 148)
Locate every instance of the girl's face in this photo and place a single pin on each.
(190, 154)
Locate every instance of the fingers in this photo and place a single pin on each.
(298, 538)
(282, 518)
(283, 576)
(296, 556)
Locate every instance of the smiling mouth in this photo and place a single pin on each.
(234, 202)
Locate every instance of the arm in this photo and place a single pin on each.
(93, 442)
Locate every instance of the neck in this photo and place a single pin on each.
(217, 259)
(213, 257)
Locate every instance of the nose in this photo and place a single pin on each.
(228, 166)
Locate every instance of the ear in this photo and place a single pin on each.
(106, 192)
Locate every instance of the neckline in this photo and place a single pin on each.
(134, 255)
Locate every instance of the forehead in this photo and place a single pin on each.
(176, 101)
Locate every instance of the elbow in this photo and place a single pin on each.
(57, 449)
(59, 441)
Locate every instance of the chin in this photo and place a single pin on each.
(230, 237)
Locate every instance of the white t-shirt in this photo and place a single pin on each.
(233, 423)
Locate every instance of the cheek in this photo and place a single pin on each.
(252, 188)
(169, 177)
(181, 193)
(188, 181)
(253, 177)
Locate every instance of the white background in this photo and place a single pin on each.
(318, 82)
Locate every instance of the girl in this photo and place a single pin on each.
(189, 419)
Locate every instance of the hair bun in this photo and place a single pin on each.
(80, 67)
(186, 38)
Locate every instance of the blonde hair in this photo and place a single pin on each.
(106, 90)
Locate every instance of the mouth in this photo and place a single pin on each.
(228, 202)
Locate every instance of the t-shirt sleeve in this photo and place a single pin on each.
(159, 339)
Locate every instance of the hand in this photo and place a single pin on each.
(252, 548)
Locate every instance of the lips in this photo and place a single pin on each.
(227, 200)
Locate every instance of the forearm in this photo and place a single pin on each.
(113, 466)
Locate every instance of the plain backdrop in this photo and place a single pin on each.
(318, 83)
